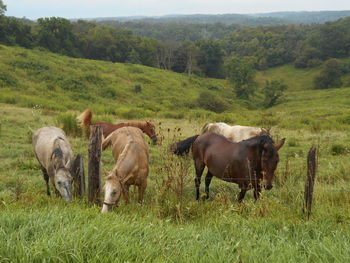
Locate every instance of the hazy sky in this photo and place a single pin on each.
(106, 8)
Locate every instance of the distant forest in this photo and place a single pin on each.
(200, 46)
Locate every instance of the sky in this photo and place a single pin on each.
(34, 9)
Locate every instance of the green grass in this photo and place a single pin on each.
(34, 227)
(39, 89)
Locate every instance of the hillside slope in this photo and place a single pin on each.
(34, 78)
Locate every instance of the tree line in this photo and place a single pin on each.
(216, 50)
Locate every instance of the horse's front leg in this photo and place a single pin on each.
(242, 194)
(46, 178)
(126, 193)
(257, 192)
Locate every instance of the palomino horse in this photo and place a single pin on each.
(55, 155)
(107, 128)
(247, 163)
(131, 155)
(235, 133)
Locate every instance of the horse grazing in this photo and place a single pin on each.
(249, 163)
(54, 153)
(130, 152)
(235, 133)
(107, 128)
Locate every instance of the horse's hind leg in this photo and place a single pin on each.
(46, 178)
(199, 170)
(208, 178)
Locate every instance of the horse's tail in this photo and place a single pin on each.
(84, 119)
(183, 147)
(205, 128)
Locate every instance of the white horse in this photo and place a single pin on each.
(55, 155)
(235, 133)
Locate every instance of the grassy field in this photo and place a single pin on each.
(170, 227)
(38, 88)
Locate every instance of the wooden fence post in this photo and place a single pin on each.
(310, 180)
(94, 178)
(78, 176)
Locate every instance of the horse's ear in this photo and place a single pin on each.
(280, 144)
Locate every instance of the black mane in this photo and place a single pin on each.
(258, 140)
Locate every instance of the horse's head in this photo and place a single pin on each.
(150, 130)
(113, 190)
(269, 161)
(63, 181)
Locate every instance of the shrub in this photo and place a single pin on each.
(68, 123)
(330, 75)
(292, 142)
(108, 92)
(338, 149)
(273, 92)
(173, 115)
(73, 85)
(210, 101)
(30, 65)
(134, 113)
(6, 80)
(137, 88)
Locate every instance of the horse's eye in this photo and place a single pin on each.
(114, 192)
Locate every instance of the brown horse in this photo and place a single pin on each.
(131, 155)
(248, 163)
(147, 127)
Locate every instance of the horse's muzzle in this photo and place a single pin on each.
(268, 187)
(154, 139)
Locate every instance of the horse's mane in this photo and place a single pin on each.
(183, 147)
(258, 140)
(205, 127)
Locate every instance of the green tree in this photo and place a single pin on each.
(56, 34)
(330, 75)
(241, 73)
(211, 58)
(2, 8)
(273, 92)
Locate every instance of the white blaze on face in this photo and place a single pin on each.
(112, 193)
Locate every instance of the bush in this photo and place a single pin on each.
(108, 92)
(6, 80)
(73, 85)
(210, 101)
(338, 149)
(30, 65)
(137, 89)
(134, 113)
(330, 75)
(68, 123)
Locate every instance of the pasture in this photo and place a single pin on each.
(171, 226)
